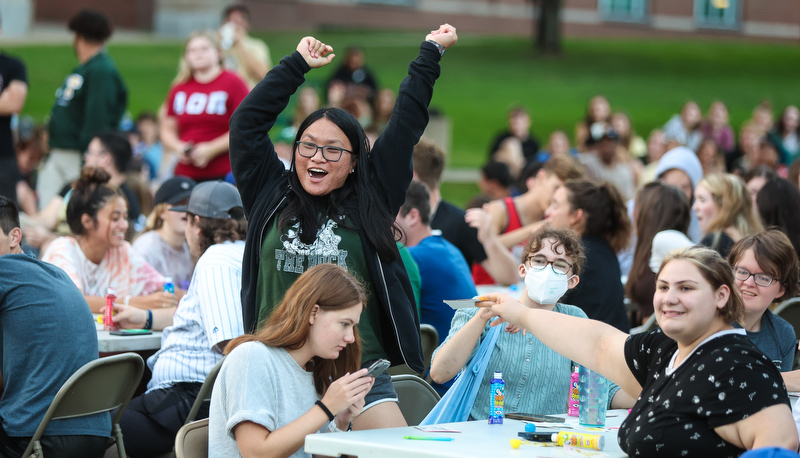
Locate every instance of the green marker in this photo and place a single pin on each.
(426, 438)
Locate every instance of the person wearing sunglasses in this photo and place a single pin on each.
(336, 204)
(766, 269)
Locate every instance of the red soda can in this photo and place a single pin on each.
(108, 323)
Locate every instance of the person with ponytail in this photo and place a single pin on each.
(598, 213)
(298, 375)
(97, 257)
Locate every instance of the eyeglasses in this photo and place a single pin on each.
(742, 275)
(540, 262)
(329, 153)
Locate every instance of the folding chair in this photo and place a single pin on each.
(204, 395)
(430, 340)
(415, 396)
(789, 310)
(192, 440)
(99, 386)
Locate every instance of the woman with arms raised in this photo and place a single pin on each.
(703, 388)
(336, 204)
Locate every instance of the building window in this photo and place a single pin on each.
(717, 14)
(624, 10)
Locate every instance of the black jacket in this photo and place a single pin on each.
(263, 184)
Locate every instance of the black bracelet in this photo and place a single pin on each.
(326, 410)
(149, 323)
(438, 46)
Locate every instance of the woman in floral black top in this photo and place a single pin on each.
(703, 389)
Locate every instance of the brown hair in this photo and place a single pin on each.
(331, 288)
(429, 162)
(716, 271)
(660, 207)
(217, 230)
(775, 255)
(605, 213)
(90, 193)
(564, 167)
(567, 238)
(184, 72)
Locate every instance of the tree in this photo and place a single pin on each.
(548, 30)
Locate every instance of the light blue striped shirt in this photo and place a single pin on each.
(537, 378)
(209, 313)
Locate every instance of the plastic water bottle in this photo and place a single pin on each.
(594, 397)
(573, 403)
(108, 323)
(498, 393)
(169, 286)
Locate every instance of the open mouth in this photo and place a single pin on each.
(317, 174)
(748, 294)
(672, 313)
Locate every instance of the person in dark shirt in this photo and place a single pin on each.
(91, 99)
(13, 91)
(519, 126)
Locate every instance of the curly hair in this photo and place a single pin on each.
(216, 230)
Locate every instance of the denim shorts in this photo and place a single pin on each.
(382, 390)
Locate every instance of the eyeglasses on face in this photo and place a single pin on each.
(540, 262)
(743, 274)
(329, 153)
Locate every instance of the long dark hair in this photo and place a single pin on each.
(330, 287)
(779, 205)
(660, 207)
(605, 213)
(358, 194)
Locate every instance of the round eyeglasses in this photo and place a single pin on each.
(540, 262)
(743, 274)
(329, 153)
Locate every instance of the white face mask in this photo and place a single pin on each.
(545, 286)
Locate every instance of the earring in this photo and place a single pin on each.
(352, 170)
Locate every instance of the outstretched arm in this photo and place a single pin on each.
(590, 343)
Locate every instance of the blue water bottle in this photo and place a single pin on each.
(169, 287)
(497, 393)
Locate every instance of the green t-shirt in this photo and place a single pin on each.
(284, 257)
(92, 99)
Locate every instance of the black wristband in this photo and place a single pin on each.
(149, 323)
(438, 46)
(326, 410)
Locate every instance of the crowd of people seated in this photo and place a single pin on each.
(247, 204)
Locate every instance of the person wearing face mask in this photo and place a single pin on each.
(537, 378)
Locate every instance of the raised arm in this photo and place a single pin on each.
(253, 157)
(392, 151)
(590, 343)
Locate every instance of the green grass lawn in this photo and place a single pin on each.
(483, 76)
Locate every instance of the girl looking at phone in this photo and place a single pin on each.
(297, 375)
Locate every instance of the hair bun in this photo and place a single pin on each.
(91, 177)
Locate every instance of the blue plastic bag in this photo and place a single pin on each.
(457, 403)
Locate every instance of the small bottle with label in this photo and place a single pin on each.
(108, 323)
(574, 401)
(169, 286)
(498, 388)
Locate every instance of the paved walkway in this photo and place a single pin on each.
(461, 175)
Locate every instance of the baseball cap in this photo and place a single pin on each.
(175, 190)
(212, 199)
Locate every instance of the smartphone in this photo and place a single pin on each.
(131, 332)
(377, 367)
(534, 417)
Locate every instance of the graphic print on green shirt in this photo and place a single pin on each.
(284, 257)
